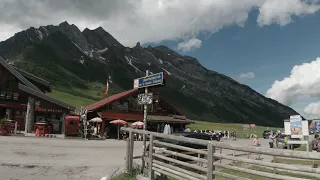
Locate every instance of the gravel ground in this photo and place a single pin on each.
(34, 158)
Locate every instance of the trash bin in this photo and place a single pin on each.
(271, 144)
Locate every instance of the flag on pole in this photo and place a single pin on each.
(107, 90)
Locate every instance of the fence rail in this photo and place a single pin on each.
(181, 162)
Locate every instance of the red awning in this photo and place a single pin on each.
(17, 106)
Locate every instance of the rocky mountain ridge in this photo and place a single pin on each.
(95, 55)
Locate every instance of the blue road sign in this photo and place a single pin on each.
(151, 80)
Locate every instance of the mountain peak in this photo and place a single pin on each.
(65, 23)
(99, 29)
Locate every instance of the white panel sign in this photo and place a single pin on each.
(145, 98)
(305, 128)
(287, 130)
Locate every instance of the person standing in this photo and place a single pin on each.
(315, 143)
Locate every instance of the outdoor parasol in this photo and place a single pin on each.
(96, 119)
(137, 124)
(118, 122)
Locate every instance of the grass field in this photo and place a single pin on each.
(241, 131)
(71, 99)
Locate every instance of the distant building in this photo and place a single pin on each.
(124, 106)
(23, 99)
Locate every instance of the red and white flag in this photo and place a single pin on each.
(107, 90)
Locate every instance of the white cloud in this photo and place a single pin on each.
(312, 110)
(248, 75)
(280, 11)
(304, 80)
(190, 44)
(130, 21)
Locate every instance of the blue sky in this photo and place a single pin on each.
(270, 52)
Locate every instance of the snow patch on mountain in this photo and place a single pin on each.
(168, 63)
(45, 30)
(102, 58)
(129, 60)
(102, 50)
(39, 33)
(161, 62)
(149, 64)
(80, 49)
(169, 73)
(81, 60)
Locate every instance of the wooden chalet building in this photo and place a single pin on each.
(23, 99)
(124, 106)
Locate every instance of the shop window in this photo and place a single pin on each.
(2, 95)
(150, 108)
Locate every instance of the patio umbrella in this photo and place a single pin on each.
(137, 124)
(96, 119)
(118, 122)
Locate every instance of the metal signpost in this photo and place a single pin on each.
(146, 99)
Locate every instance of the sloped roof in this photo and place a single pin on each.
(17, 74)
(45, 97)
(168, 119)
(30, 88)
(118, 96)
(34, 78)
(110, 99)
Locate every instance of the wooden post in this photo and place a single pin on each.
(131, 138)
(150, 171)
(15, 127)
(30, 115)
(210, 167)
(128, 155)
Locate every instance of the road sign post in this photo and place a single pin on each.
(145, 82)
(145, 112)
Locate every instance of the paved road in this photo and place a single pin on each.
(27, 158)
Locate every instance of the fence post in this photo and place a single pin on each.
(128, 156)
(210, 167)
(150, 171)
(131, 141)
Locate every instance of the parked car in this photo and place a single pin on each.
(266, 134)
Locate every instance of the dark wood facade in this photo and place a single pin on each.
(26, 102)
(124, 106)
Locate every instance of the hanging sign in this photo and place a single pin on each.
(145, 98)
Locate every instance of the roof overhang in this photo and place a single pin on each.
(17, 74)
(37, 79)
(43, 96)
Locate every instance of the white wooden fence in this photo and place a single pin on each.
(203, 166)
